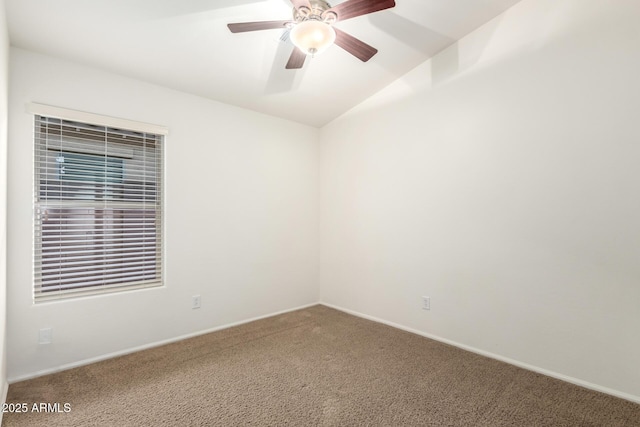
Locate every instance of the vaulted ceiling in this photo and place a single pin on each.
(186, 45)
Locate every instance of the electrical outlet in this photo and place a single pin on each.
(45, 336)
(426, 303)
(195, 301)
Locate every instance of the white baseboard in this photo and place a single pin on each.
(89, 361)
(517, 363)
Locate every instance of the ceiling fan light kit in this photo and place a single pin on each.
(312, 30)
(312, 37)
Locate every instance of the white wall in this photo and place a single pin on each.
(500, 178)
(241, 218)
(4, 81)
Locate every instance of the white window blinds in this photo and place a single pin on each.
(98, 209)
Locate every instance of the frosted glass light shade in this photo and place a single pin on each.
(312, 37)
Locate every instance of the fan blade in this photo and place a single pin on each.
(352, 8)
(243, 27)
(281, 80)
(298, 3)
(296, 60)
(354, 46)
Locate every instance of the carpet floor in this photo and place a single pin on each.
(312, 367)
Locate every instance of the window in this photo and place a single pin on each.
(98, 209)
(87, 170)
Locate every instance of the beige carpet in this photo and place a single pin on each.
(313, 367)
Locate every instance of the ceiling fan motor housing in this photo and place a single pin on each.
(316, 12)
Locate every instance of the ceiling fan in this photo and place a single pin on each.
(312, 30)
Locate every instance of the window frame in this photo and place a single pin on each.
(158, 207)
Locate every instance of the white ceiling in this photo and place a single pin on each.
(185, 45)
